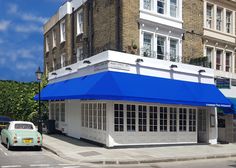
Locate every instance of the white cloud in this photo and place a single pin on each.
(30, 17)
(26, 65)
(14, 10)
(4, 24)
(31, 28)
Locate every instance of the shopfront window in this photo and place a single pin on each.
(131, 118)
(173, 119)
(142, 118)
(192, 120)
(119, 117)
(182, 119)
(153, 119)
(163, 119)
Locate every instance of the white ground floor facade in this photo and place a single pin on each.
(131, 123)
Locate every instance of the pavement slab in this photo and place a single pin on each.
(83, 152)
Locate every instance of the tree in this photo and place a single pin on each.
(17, 100)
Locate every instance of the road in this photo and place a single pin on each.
(28, 158)
(208, 163)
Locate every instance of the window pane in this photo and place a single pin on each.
(161, 47)
(209, 16)
(142, 120)
(131, 118)
(219, 19)
(147, 4)
(161, 6)
(173, 50)
(118, 117)
(163, 119)
(173, 8)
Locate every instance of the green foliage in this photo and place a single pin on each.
(16, 100)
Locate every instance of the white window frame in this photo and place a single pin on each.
(183, 119)
(54, 38)
(153, 118)
(164, 7)
(163, 110)
(173, 119)
(174, 58)
(63, 30)
(131, 118)
(142, 118)
(164, 46)
(80, 22)
(63, 112)
(228, 68)
(176, 8)
(219, 65)
(119, 125)
(147, 5)
(47, 43)
(63, 60)
(228, 21)
(209, 19)
(219, 20)
(192, 120)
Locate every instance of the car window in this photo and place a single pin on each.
(24, 126)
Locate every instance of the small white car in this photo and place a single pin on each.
(21, 133)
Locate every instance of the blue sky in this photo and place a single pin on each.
(21, 36)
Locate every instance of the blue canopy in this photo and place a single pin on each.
(231, 110)
(132, 87)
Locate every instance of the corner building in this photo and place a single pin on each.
(117, 75)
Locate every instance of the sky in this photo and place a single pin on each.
(21, 36)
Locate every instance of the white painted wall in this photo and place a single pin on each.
(74, 118)
(165, 19)
(66, 8)
(122, 62)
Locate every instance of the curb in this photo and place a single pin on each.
(123, 162)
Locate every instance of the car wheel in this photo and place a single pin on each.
(8, 145)
(38, 148)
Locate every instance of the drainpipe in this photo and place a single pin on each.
(90, 28)
(118, 25)
(73, 37)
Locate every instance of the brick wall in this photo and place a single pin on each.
(130, 26)
(193, 25)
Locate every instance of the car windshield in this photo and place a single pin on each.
(24, 126)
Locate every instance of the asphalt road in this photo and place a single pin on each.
(208, 163)
(28, 158)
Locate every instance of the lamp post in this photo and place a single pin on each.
(39, 75)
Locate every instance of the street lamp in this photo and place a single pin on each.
(39, 75)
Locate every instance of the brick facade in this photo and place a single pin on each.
(193, 25)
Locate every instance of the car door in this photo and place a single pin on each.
(4, 133)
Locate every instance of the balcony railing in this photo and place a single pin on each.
(153, 54)
(201, 61)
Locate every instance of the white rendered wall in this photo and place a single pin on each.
(74, 118)
(122, 62)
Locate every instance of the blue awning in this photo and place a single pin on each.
(231, 110)
(132, 87)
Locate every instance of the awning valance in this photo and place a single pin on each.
(132, 87)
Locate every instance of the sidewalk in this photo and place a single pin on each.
(82, 152)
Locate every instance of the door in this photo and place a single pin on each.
(202, 126)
